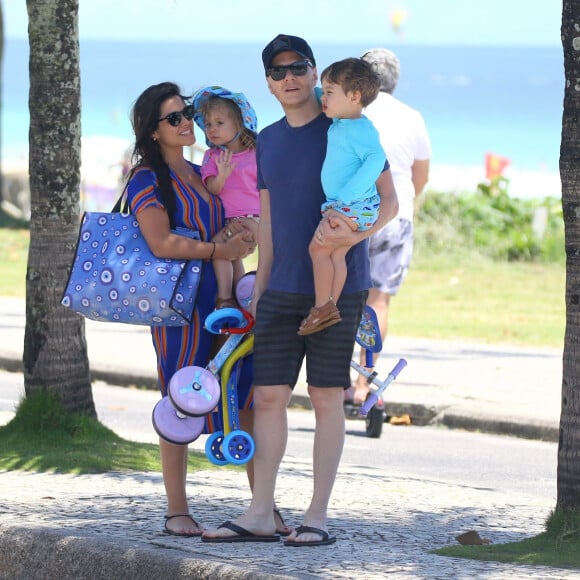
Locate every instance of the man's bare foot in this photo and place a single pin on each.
(253, 525)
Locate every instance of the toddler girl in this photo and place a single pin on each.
(229, 170)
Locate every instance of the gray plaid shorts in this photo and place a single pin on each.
(279, 350)
(390, 253)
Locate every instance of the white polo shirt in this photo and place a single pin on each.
(405, 140)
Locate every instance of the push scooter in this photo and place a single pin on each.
(368, 337)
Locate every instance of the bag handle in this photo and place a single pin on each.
(122, 204)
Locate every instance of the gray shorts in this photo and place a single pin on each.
(390, 253)
(279, 350)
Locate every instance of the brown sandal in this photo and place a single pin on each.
(225, 303)
(320, 318)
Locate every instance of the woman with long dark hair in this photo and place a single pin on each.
(165, 191)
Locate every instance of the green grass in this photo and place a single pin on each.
(474, 298)
(559, 546)
(14, 252)
(42, 437)
(451, 296)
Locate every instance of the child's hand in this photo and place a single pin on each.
(224, 164)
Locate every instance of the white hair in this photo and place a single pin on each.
(386, 65)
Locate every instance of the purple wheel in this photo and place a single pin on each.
(245, 289)
(194, 391)
(173, 428)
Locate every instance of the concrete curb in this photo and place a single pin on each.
(25, 552)
(517, 428)
(11, 365)
(421, 414)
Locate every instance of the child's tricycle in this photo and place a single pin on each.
(194, 392)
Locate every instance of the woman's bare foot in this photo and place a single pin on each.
(182, 525)
(310, 534)
(281, 527)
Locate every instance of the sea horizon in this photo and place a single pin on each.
(475, 100)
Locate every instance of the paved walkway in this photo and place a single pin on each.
(107, 526)
(501, 389)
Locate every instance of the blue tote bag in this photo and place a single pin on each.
(116, 278)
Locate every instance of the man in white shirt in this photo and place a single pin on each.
(406, 142)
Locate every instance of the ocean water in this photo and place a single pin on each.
(505, 100)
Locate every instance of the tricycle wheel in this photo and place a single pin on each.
(374, 421)
(213, 448)
(238, 447)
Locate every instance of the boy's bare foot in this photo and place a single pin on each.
(251, 527)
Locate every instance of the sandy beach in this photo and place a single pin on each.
(522, 183)
(104, 159)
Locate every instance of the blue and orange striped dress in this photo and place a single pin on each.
(180, 346)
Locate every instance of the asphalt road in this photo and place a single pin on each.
(509, 464)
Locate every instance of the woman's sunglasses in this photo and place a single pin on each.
(298, 69)
(174, 119)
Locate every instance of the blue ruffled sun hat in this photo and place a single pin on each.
(249, 117)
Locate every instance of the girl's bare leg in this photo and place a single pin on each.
(174, 467)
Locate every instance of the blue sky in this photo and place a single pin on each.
(488, 22)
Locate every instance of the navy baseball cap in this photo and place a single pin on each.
(284, 42)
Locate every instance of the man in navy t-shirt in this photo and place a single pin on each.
(290, 154)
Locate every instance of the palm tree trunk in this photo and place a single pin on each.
(55, 350)
(569, 443)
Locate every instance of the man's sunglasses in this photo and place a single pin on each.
(298, 69)
(174, 119)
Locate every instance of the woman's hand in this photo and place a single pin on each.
(234, 242)
(233, 228)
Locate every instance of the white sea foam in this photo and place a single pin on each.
(522, 183)
(103, 157)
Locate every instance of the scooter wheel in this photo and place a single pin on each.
(374, 422)
(213, 448)
(238, 447)
(245, 289)
(179, 430)
(194, 391)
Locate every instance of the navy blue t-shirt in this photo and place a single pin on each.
(289, 165)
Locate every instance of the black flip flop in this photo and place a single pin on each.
(326, 538)
(243, 535)
(166, 530)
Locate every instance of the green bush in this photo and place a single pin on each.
(491, 223)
